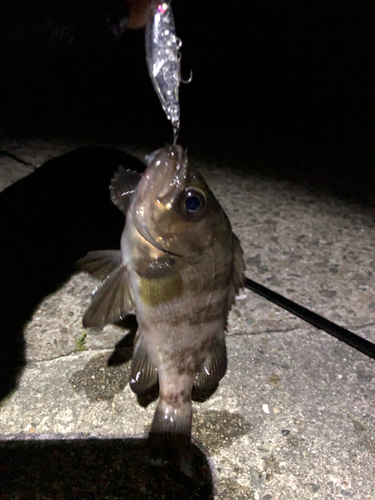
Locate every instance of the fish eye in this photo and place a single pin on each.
(194, 201)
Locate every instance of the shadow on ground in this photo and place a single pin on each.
(48, 221)
(95, 468)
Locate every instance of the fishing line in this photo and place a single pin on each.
(350, 338)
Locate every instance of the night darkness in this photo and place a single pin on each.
(287, 82)
(281, 88)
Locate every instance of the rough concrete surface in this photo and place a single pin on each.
(294, 417)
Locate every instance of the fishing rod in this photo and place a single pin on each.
(350, 338)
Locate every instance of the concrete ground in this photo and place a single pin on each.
(294, 417)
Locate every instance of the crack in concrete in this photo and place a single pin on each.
(240, 333)
(362, 326)
(285, 330)
(244, 333)
(30, 363)
(19, 160)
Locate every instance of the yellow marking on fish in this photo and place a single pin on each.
(156, 291)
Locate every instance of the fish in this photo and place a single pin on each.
(180, 268)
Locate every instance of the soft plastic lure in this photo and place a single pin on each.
(163, 60)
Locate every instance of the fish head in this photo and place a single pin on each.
(173, 208)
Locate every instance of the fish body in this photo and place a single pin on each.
(180, 267)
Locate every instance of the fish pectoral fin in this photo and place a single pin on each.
(143, 373)
(213, 368)
(111, 301)
(100, 263)
(123, 185)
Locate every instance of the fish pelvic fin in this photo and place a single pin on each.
(212, 370)
(122, 186)
(111, 301)
(144, 373)
(100, 263)
(238, 271)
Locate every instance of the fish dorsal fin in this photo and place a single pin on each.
(214, 366)
(100, 263)
(123, 185)
(143, 372)
(111, 301)
(238, 271)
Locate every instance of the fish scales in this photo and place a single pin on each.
(180, 268)
(196, 299)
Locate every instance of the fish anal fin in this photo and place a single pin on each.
(143, 374)
(123, 185)
(212, 370)
(111, 301)
(100, 263)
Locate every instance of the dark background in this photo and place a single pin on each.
(282, 87)
(285, 86)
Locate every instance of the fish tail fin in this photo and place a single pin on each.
(173, 418)
(169, 440)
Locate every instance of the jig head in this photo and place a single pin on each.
(164, 60)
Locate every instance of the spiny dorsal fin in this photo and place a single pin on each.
(238, 271)
(111, 301)
(123, 185)
(100, 263)
(143, 372)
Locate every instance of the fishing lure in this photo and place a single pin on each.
(163, 60)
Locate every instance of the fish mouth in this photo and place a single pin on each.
(143, 231)
(163, 181)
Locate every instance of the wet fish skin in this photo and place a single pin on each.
(180, 269)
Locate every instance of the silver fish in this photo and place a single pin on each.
(180, 267)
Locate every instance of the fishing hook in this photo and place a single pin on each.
(181, 80)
